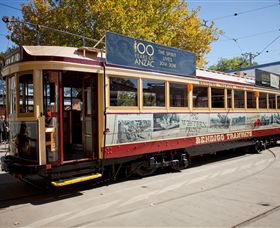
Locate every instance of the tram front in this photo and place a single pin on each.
(52, 112)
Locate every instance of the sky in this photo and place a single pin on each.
(249, 26)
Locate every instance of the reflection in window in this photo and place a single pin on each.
(218, 98)
(2, 92)
(153, 93)
(239, 101)
(200, 97)
(123, 92)
(178, 95)
(12, 95)
(229, 98)
(72, 98)
(271, 100)
(262, 100)
(251, 100)
(26, 101)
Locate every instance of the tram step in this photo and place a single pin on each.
(75, 180)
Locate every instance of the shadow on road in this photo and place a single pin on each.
(15, 192)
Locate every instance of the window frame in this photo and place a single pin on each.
(186, 98)
(25, 114)
(274, 101)
(138, 79)
(201, 86)
(265, 102)
(234, 100)
(166, 95)
(253, 95)
(224, 98)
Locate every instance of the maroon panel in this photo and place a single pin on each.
(131, 149)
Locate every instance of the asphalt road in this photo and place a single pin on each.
(219, 191)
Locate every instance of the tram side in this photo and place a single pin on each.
(169, 119)
(75, 118)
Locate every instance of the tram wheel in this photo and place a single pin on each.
(258, 147)
(143, 170)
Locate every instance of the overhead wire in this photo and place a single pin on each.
(255, 34)
(244, 12)
(268, 45)
(249, 36)
(3, 4)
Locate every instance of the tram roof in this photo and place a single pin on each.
(59, 51)
(215, 75)
(87, 53)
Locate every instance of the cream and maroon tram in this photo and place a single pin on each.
(76, 113)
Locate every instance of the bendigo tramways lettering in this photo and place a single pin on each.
(222, 137)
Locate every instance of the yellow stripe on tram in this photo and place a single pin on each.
(75, 180)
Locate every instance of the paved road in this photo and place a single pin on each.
(239, 191)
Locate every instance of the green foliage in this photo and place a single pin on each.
(167, 22)
(231, 64)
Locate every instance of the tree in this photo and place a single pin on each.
(231, 64)
(168, 22)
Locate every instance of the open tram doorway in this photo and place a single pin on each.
(75, 112)
(79, 115)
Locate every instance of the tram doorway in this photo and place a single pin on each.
(79, 115)
(70, 109)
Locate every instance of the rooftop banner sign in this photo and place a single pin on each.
(268, 79)
(134, 53)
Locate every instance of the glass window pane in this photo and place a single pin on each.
(262, 100)
(12, 95)
(153, 93)
(278, 102)
(229, 98)
(26, 101)
(218, 98)
(239, 101)
(178, 95)
(200, 97)
(251, 100)
(123, 91)
(272, 103)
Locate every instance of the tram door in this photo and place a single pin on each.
(89, 115)
(51, 113)
(79, 130)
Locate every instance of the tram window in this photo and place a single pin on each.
(271, 100)
(153, 93)
(251, 100)
(278, 102)
(229, 98)
(200, 97)
(72, 98)
(218, 98)
(239, 101)
(12, 95)
(178, 95)
(123, 91)
(262, 100)
(2, 92)
(26, 101)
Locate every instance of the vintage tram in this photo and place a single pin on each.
(73, 116)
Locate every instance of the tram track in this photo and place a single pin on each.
(224, 184)
(258, 217)
(154, 204)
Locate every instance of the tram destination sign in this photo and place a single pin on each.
(134, 53)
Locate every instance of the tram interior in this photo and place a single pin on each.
(72, 115)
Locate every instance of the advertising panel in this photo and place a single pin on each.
(134, 53)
